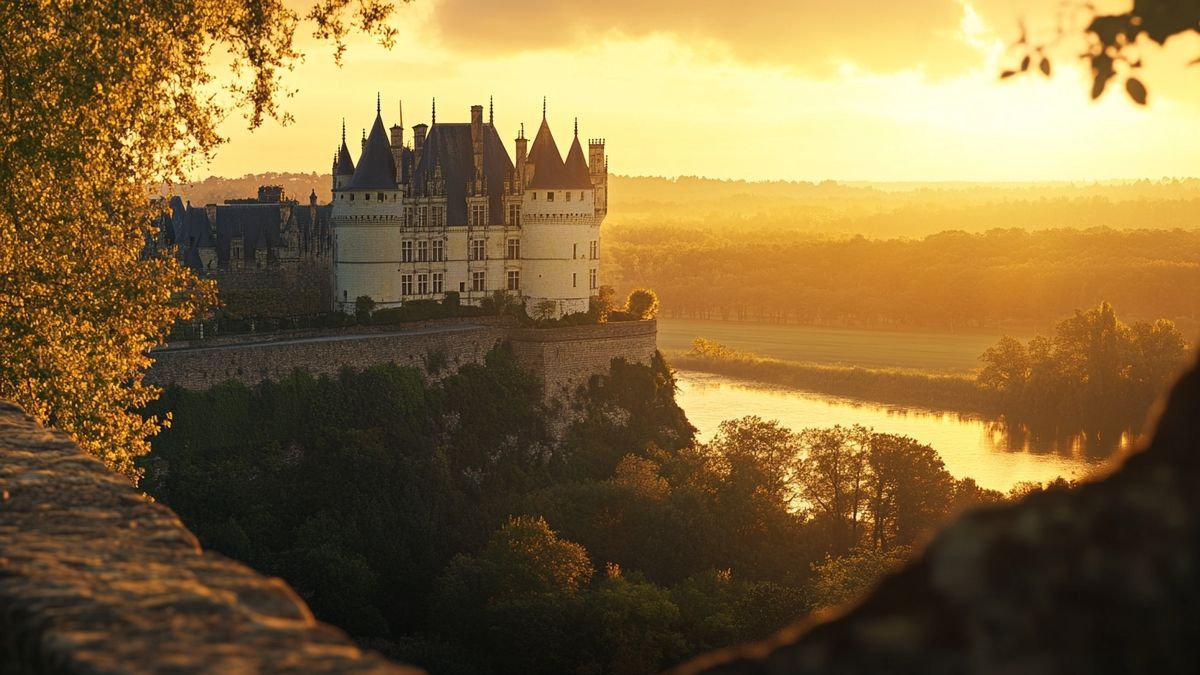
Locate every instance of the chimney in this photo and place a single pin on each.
(477, 145)
(418, 142)
(522, 153)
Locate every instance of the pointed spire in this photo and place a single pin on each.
(576, 127)
(491, 110)
(433, 116)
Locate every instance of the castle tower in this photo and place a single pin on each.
(560, 228)
(366, 222)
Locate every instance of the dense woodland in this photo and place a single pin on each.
(951, 280)
(443, 524)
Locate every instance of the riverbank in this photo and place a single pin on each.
(948, 392)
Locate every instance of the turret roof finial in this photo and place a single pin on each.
(343, 131)
(378, 104)
(401, 112)
(491, 110)
(576, 127)
(433, 116)
(543, 108)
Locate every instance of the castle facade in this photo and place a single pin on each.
(453, 213)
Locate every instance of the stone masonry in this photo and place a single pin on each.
(561, 358)
(94, 578)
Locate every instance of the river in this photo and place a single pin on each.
(969, 446)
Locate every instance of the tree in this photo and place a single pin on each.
(642, 303)
(838, 580)
(602, 303)
(910, 493)
(1112, 42)
(832, 479)
(101, 101)
(364, 305)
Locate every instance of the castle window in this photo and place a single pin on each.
(406, 287)
(574, 280)
(439, 217)
(534, 196)
(438, 250)
(422, 217)
(351, 196)
(477, 249)
(550, 196)
(594, 250)
(593, 281)
(422, 251)
(478, 281)
(367, 196)
(514, 249)
(514, 214)
(408, 216)
(514, 280)
(406, 249)
(379, 196)
(574, 251)
(422, 284)
(478, 214)
(437, 282)
(581, 195)
(568, 194)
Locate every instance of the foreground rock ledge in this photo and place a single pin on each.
(1100, 579)
(94, 579)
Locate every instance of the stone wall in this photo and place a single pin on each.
(565, 358)
(251, 361)
(94, 578)
(562, 358)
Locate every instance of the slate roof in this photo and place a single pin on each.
(345, 165)
(576, 171)
(548, 168)
(258, 225)
(449, 145)
(376, 166)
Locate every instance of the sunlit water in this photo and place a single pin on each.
(969, 446)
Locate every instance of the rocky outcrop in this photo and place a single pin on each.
(96, 579)
(1100, 579)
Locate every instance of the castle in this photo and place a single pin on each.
(452, 213)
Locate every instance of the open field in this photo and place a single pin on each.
(928, 351)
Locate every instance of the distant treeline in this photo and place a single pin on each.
(950, 280)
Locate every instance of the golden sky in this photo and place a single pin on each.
(878, 90)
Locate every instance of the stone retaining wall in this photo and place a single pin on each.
(562, 358)
(565, 358)
(96, 579)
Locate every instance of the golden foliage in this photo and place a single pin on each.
(100, 100)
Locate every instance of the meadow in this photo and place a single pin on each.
(941, 352)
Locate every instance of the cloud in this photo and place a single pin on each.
(877, 35)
